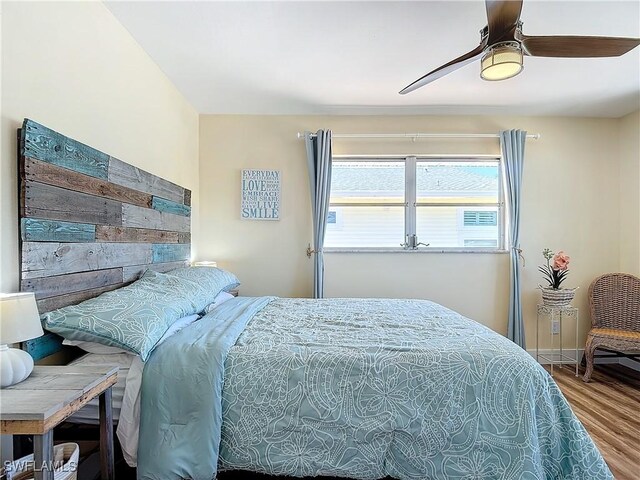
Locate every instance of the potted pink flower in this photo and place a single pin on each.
(555, 272)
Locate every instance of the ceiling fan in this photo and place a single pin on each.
(503, 45)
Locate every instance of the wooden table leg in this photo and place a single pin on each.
(43, 456)
(106, 436)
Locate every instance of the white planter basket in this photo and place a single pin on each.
(557, 298)
(65, 457)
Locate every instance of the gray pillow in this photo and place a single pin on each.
(209, 279)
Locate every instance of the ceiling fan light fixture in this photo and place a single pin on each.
(501, 62)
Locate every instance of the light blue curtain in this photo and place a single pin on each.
(512, 146)
(319, 159)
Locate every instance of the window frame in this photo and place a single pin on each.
(410, 202)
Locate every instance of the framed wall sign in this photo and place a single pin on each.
(260, 190)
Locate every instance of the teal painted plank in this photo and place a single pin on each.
(43, 346)
(44, 144)
(163, 205)
(37, 230)
(163, 252)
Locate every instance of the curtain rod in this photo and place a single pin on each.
(534, 136)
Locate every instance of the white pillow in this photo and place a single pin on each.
(100, 349)
(220, 298)
(177, 326)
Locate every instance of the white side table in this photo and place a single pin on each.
(557, 356)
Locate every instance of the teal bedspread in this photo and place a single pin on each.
(360, 388)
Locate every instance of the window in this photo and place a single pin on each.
(396, 203)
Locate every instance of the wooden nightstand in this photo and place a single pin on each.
(49, 396)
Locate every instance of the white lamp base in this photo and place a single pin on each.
(15, 366)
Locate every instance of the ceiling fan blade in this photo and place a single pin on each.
(578, 47)
(445, 69)
(502, 17)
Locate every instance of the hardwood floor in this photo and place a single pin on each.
(609, 408)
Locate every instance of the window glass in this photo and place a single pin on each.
(365, 227)
(445, 227)
(480, 218)
(456, 182)
(480, 243)
(367, 182)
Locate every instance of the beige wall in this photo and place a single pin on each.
(73, 67)
(570, 202)
(630, 193)
(267, 256)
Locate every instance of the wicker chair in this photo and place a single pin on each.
(614, 300)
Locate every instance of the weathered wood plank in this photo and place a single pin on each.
(163, 252)
(133, 216)
(41, 259)
(107, 468)
(55, 203)
(130, 274)
(37, 230)
(43, 346)
(45, 287)
(105, 233)
(129, 176)
(57, 377)
(50, 395)
(168, 206)
(49, 146)
(187, 197)
(35, 170)
(184, 237)
(53, 303)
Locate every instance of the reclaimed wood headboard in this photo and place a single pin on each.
(90, 223)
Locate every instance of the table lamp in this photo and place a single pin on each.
(19, 321)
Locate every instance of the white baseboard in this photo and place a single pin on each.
(599, 361)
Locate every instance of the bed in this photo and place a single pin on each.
(357, 388)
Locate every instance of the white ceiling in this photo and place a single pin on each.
(353, 57)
